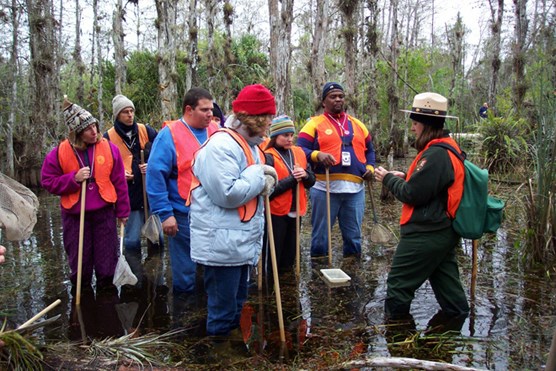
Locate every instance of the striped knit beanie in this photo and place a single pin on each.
(77, 119)
(281, 125)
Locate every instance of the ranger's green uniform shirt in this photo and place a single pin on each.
(426, 190)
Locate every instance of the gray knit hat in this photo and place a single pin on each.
(119, 102)
(77, 118)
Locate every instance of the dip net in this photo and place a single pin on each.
(18, 209)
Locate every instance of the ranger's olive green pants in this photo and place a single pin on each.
(421, 256)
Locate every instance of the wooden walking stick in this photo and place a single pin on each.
(475, 244)
(40, 314)
(145, 205)
(297, 232)
(80, 248)
(260, 273)
(328, 217)
(274, 269)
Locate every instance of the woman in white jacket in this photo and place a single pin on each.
(227, 208)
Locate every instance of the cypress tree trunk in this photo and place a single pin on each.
(167, 74)
(281, 18)
(43, 83)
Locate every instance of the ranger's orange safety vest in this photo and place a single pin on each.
(248, 210)
(330, 141)
(281, 205)
(186, 144)
(455, 191)
(103, 164)
(125, 152)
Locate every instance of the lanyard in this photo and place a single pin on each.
(344, 130)
(289, 164)
(91, 179)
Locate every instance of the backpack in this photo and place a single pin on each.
(477, 213)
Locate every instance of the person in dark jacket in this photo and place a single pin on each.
(430, 192)
(292, 168)
(131, 138)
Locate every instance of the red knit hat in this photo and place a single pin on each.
(255, 100)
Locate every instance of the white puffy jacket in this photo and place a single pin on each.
(218, 237)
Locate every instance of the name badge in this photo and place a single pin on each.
(346, 159)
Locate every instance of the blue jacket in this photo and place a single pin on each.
(218, 237)
(162, 177)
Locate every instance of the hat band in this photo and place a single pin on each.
(429, 111)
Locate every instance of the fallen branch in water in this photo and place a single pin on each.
(406, 363)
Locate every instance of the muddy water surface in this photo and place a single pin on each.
(510, 325)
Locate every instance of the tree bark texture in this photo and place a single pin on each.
(373, 45)
(519, 48)
(211, 8)
(167, 74)
(229, 58)
(97, 39)
(318, 50)
(496, 17)
(281, 19)
(455, 41)
(14, 56)
(119, 47)
(43, 93)
(349, 33)
(192, 46)
(396, 135)
(77, 58)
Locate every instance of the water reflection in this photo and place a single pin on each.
(509, 327)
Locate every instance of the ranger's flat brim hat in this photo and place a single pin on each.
(430, 104)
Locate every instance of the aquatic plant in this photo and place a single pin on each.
(506, 144)
(540, 204)
(18, 352)
(150, 350)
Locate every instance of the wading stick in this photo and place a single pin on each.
(297, 231)
(328, 217)
(80, 248)
(274, 269)
(144, 190)
(40, 314)
(260, 273)
(475, 244)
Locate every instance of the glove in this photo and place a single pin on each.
(270, 180)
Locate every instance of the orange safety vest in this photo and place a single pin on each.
(248, 210)
(103, 164)
(330, 141)
(455, 191)
(186, 144)
(125, 152)
(281, 205)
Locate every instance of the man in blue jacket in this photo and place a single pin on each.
(169, 180)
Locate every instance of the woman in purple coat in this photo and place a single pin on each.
(86, 157)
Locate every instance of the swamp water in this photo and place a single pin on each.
(509, 328)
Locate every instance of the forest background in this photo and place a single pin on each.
(382, 51)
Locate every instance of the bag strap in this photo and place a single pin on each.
(462, 156)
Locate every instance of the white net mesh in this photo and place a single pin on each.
(18, 209)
